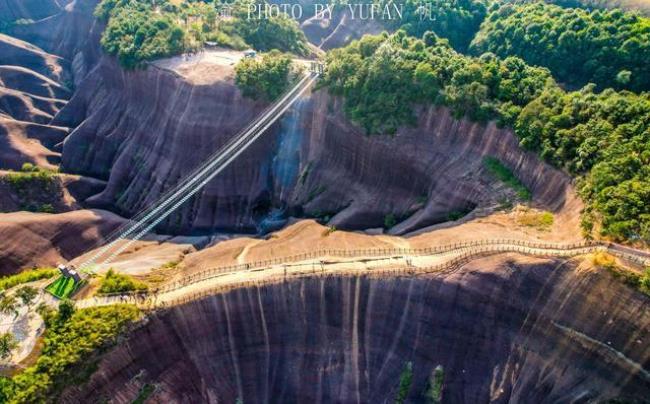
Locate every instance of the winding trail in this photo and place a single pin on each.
(341, 262)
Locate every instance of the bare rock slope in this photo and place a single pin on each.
(144, 130)
(504, 329)
(46, 239)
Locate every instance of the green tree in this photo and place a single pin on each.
(26, 294)
(608, 48)
(8, 305)
(269, 32)
(66, 310)
(7, 345)
(267, 78)
(136, 33)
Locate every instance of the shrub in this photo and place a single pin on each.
(26, 294)
(405, 381)
(27, 167)
(70, 340)
(638, 281)
(117, 283)
(267, 78)
(538, 220)
(7, 345)
(329, 230)
(505, 175)
(434, 389)
(27, 276)
(389, 221)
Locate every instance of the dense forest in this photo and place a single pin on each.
(604, 138)
(608, 48)
(456, 20)
(141, 30)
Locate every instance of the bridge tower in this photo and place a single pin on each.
(316, 67)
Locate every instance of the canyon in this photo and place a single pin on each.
(504, 327)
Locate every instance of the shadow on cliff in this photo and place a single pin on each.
(503, 329)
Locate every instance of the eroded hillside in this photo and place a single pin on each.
(504, 329)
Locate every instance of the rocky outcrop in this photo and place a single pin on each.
(504, 329)
(53, 193)
(27, 81)
(145, 130)
(12, 10)
(41, 239)
(72, 33)
(25, 142)
(338, 31)
(16, 52)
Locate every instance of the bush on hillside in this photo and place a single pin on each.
(114, 282)
(266, 78)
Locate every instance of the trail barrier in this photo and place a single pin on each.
(460, 252)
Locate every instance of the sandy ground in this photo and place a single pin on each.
(207, 66)
(327, 265)
(149, 254)
(307, 235)
(27, 325)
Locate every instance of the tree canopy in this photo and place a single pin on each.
(265, 78)
(70, 340)
(608, 48)
(384, 77)
(456, 20)
(141, 30)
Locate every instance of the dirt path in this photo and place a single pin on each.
(438, 259)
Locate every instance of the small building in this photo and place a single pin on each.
(69, 272)
(250, 54)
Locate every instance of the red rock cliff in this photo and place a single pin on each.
(505, 329)
(144, 130)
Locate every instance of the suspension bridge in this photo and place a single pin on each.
(147, 219)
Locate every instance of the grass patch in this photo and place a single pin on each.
(539, 220)
(27, 276)
(72, 340)
(638, 281)
(505, 175)
(118, 283)
(329, 230)
(145, 392)
(170, 265)
(405, 381)
(37, 189)
(434, 390)
(63, 287)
